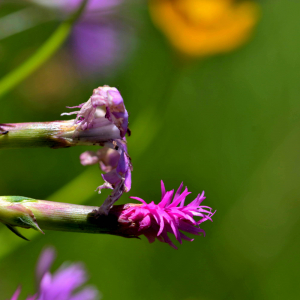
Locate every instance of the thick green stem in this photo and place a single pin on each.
(57, 134)
(48, 215)
(41, 134)
(70, 217)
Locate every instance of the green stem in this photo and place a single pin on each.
(40, 134)
(66, 217)
(57, 134)
(53, 43)
(41, 215)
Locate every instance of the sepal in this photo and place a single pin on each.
(14, 213)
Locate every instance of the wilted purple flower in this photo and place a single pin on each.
(108, 97)
(101, 115)
(157, 220)
(63, 284)
(116, 164)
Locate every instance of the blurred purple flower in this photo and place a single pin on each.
(70, 5)
(97, 48)
(157, 220)
(44, 263)
(63, 284)
(105, 112)
(100, 39)
(16, 294)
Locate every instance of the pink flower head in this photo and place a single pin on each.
(103, 119)
(63, 284)
(157, 220)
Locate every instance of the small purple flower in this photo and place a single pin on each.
(63, 284)
(104, 119)
(157, 220)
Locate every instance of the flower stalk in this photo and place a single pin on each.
(16, 211)
(57, 134)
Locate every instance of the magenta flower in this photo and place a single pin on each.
(157, 220)
(104, 115)
(63, 284)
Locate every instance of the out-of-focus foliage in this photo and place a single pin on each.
(229, 125)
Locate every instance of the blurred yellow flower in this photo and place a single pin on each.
(205, 27)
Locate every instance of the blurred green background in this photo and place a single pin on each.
(228, 124)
